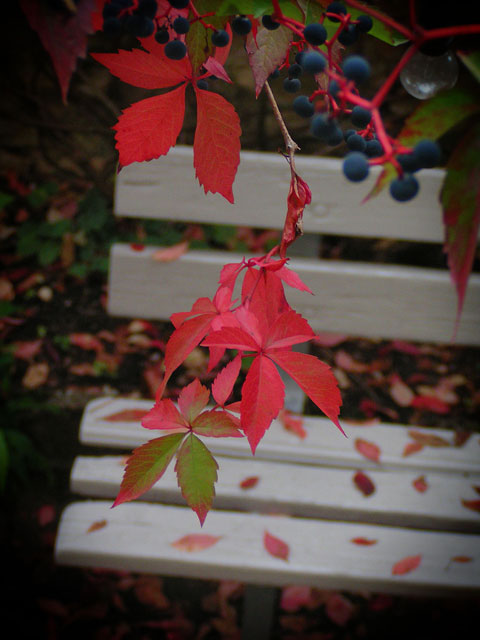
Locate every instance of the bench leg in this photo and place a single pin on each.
(258, 609)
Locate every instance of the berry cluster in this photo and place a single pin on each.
(368, 143)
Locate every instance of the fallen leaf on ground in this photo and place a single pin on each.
(275, 546)
(86, 341)
(430, 404)
(339, 609)
(169, 254)
(249, 483)
(368, 449)
(127, 415)
(364, 483)
(292, 423)
(347, 363)
(329, 339)
(195, 542)
(400, 392)
(461, 559)
(27, 349)
(474, 505)
(428, 439)
(36, 375)
(149, 591)
(420, 484)
(364, 542)
(410, 563)
(411, 447)
(295, 597)
(45, 514)
(95, 526)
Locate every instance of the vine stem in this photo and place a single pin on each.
(290, 145)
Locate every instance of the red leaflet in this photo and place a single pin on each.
(95, 526)
(223, 384)
(474, 505)
(249, 483)
(195, 542)
(430, 403)
(64, 37)
(127, 415)
(169, 254)
(216, 147)
(364, 483)
(428, 439)
(298, 197)
(295, 597)
(368, 449)
(292, 423)
(339, 609)
(275, 546)
(461, 559)
(420, 484)
(149, 128)
(364, 542)
(406, 565)
(412, 447)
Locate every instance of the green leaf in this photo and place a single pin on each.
(233, 7)
(461, 201)
(196, 471)
(5, 199)
(40, 196)
(49, 251)
(146, 466)
(472, 62)
(199, 39)
(4, 461)
(216, 424)
(56, 229)
(93, 213)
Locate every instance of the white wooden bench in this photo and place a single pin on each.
(311, 479)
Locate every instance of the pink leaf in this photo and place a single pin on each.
(275, 546)
(216, 146)
(295, 597)
(149, 128)
(170, 254)
(27, 349)
(410, 563)
(339, 609)
(86, 341)
(262, 398)
(127, 415)
(420, 484)
(222, 386)
(195, 542)
(368, 449)
(249, 483)
(363, 483)
(215, 68)
(412, 447)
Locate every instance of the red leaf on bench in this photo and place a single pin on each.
(249, 483)
(95, 526)
(410, 563)
(461, 559)
(292, 423)
(428, 439)
(411, 447)
(420, 484)
(275, 546)
(364, 483)
(195, 542)
(364, 542)
(170, 254)
(474, 505)
(368, 449)
(127, 415)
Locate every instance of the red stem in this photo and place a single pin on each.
(380, 95)
(383, 18)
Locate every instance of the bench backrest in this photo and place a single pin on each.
(358, 298)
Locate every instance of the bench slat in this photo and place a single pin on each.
(345, 293)
(324, 444)
(304, 490)
(139, 536)
(167, 189)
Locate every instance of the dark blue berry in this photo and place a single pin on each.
(162, 36)
(360, 116)
(338, 8)
(241, 25)
(403, 189)
(349, 35)
(313, 62)
(348, 133)
(356, 143)
(140, 26)
(179, 4)
(315, 33)
(323, 127)
(112, 26)
(300, 56)
(175, 50)
(111, 10)
(292, 85)
(335, 136)
(333, 88)
(303, 107)
(374, 149)
(427, 153)
(408, 162)
(202, 84)
(274, 74)
(181, 25)
(364, 23)
(295, 71)
(356, 68)
(220, 38)
(269, 23)
(147, 8)
(355, 166)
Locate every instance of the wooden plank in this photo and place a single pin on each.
(167, 189)
(407, 303)
(323, 445)
(139, 536)
(308, 491)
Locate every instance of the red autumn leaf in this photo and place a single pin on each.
(299, 195)
(195, 542)
(192, 400)
(400, 392)
(428, 439)
(292, 423)
(216, 424)
(430, 403)
(461, 559)
(364, 542)
(170, 254)
(27, 349)
(95, 526)
(127, 415)
(149, 128)
(275, 546)
(420, 484)
(364, 483)
(64, 36)
(222, 386)
(368, 449)
(86, 341)
(410, 563)
(474, 505)
(461, 215)
(412, 447)
(294, 597)
(216, 146)
(346, 362)
(216, 68)
(249, 483)
(45, 514)
(339, 609)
